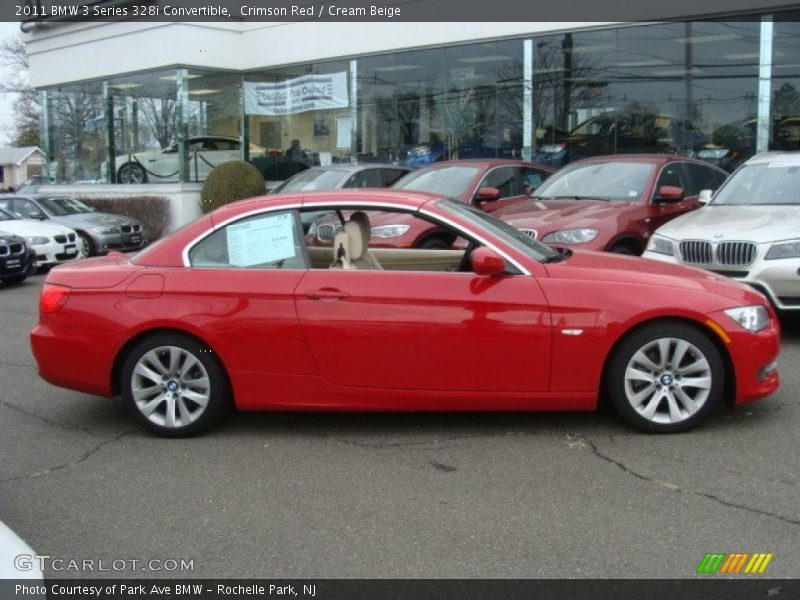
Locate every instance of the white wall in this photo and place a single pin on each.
(84, 51)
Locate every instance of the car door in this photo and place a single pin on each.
(507, 180)
(672, 174)
(426, 330)
(27, 209)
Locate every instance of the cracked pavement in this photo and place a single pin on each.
(393, 495)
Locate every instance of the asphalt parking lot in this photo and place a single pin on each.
(392, 495)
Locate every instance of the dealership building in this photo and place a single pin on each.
(721, 88)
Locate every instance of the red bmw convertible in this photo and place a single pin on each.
(237, 310)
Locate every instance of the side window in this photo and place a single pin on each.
(391, 175)
(26, 208)
(674, 175)
(264, 241)
(366, 178)
(504, 179)
(532, 179)
(703, 178)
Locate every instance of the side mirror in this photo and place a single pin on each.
(669, 193)
(37, 214)
(487, 262)
(705, 196)
(487, 194)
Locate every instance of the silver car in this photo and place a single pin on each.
(750, 230)
(98, 232)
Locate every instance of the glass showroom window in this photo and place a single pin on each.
(73, 133)
(786, 82)
(660, 88)
(299, 116)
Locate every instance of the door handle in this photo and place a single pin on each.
(327, 294)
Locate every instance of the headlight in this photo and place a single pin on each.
(37, 241)
(552, 148)
(105, 229)
(752, 318)
(718, 153)
(390, 231)
(570, 236)
(784, 250)
(660, 245)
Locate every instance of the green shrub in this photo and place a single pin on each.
(151, 211)
(229, 182)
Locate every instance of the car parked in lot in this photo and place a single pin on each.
(236, 308)
(750, 230)
(204, 153)
(17, 259)
(52, 243)
(612, 203)
(342, 175)
(98, 233)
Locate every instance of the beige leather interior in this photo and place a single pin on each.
(392, 259)
(351, 245)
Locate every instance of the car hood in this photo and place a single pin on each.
(6, 237)
(30, 228)
(553, 214)
(605, 266)
(755, 223)
(93, 219)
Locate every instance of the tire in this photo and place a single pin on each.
(434, 243)
(131, 172)
(649, 391)
(86, 248)
(174, 386)
(624, 249)
(13, 279)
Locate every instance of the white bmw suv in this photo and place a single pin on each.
(749, 230)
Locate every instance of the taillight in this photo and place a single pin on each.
(53, 298)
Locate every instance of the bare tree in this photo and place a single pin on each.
(27, 108)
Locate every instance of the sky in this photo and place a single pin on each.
(7, 30)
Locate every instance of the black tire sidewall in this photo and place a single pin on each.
(87, 239)
(219, 398)
(628, 347)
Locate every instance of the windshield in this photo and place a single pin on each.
(313, 179)
(760, 184)
(511, 235)
(61, 206)
(448, 181)
(598, 181)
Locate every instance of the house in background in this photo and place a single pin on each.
(19, 164)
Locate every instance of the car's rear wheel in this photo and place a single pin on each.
(86, 248)
(174, 385)
(666, 377)
(131, 173)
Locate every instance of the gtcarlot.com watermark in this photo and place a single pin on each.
(30, 562)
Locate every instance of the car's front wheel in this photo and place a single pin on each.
(131, 173)
(13, 279)
(174, 385)
(86, 247)
(666, 377)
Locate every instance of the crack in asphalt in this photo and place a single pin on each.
(675, 488)
(45, 420)
(77, 461)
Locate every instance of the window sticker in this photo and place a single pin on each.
(266, 240)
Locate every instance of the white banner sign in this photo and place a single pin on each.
(309, 92)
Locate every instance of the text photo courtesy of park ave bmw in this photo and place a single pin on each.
(426, 299)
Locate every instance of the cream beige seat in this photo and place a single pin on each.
(351, 245)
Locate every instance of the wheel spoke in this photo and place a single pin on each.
(144, 371)
(690, 405)
(170, 413)
(674, 411)
(175, 355)
(189, 362)
(197, 398)
(640, 396)
(149, 407)
(701, 364)
(642, 359)
(186, 415)
(702, 383)
(663, 352)
(652, 405)
(681, 346)
(633, 374)
(145, 393)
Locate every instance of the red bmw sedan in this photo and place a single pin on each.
(237, 310)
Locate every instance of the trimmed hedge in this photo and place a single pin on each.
(151, 211)
(231, 181)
